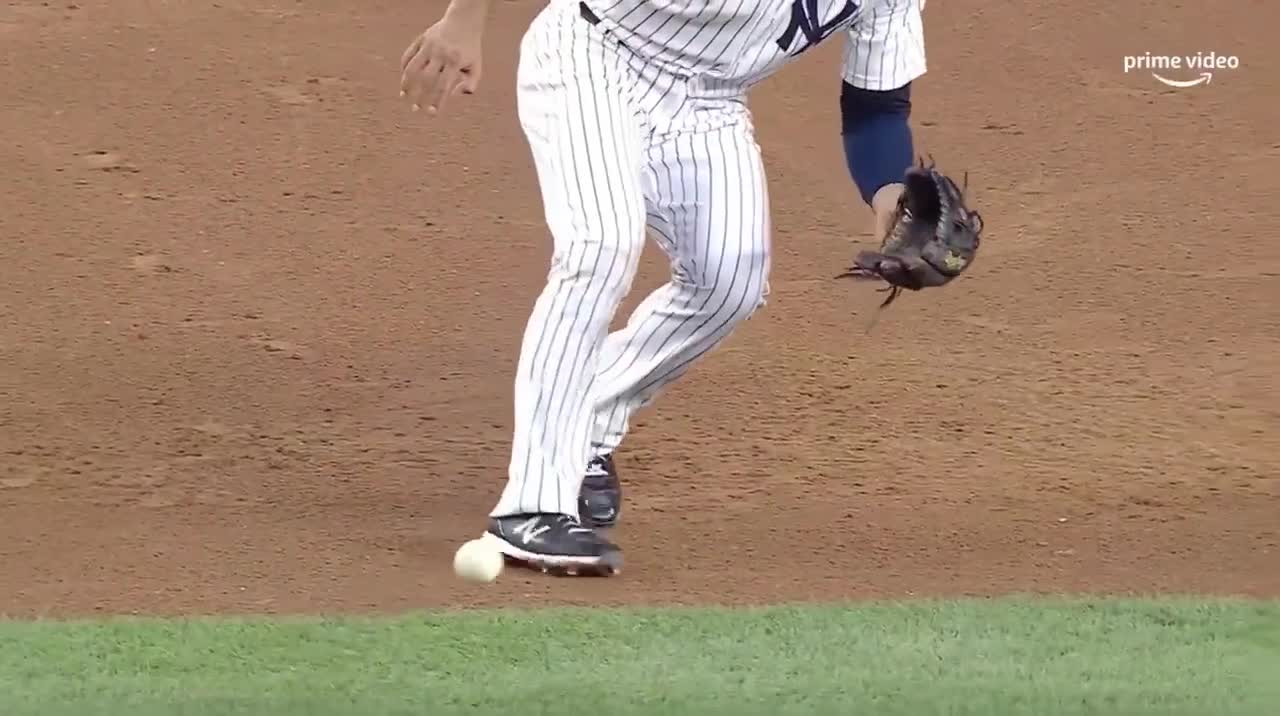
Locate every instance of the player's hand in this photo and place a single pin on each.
(443, 61)
(884, 205)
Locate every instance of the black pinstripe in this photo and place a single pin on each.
(897, 47)
(872, 26)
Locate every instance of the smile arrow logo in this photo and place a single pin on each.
(1204, 78)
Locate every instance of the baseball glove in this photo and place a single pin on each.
(933, 236)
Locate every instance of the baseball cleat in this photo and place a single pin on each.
(555, 544)
(600, 499)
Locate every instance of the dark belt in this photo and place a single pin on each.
(587, 14)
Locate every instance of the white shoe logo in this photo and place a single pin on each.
(529, 531)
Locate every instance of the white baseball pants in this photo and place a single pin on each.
(622, 146)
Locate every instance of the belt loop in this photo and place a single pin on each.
(587, 14)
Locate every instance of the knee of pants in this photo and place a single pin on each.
(609, 259)
(741, 284)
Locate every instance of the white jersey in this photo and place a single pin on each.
(748, 40)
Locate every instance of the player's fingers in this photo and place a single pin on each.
(461, 84)
(409, 52)
(406, 82)
(423, 84)
(409, 75)
(470, 80)
(417, 64)
(440, 92)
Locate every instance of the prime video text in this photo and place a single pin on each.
(1199, 61)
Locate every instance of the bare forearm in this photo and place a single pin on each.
(468, 10)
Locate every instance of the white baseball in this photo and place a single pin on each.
(478, 561)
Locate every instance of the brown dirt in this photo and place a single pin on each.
(257, 322)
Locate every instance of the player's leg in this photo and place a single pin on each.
(600, 500)
(586, 143)
(709, 206)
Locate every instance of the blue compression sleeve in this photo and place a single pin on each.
(877, 136)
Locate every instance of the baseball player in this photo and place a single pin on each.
(636, 115)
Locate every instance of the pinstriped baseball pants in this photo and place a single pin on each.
(623, 148)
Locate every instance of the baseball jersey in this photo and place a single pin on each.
(748, 40)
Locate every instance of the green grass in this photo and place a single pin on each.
(979, 657)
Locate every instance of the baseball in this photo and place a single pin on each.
(477, 561)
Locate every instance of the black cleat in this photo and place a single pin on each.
(554, 543)
(600, 499)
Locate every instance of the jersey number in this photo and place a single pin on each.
(808, 29)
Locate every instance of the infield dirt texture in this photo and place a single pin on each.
(258, 323)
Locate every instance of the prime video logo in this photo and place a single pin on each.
(1204, 63)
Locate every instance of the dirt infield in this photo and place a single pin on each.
(257, 323)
